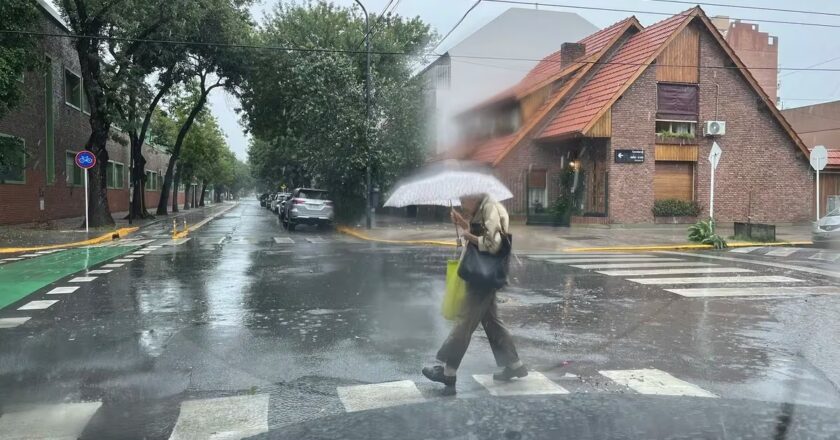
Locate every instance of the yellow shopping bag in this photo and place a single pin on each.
(456, 291)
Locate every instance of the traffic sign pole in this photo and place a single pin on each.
(87, 223)
(714, 158)
(712, 196)
(818, 159)
(818, 195)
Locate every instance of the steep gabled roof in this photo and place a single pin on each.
(613, 78)
(550, 69)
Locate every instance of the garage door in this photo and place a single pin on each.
(674, 180)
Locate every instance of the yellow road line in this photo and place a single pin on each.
(666, 247)
(358, 234)
(119, 233)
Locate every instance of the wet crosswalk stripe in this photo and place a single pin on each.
(13, 322)
(744, 250)
(12, 259)
(782, 252)
(672, 271)
(756, 291)
(283, 240)
(38, 305)
(379, 395)
(532, 384)
(112, 266)
(228, 418)
(316, 240)
(629, 259)
(82, 279)
(64, 421)
(653, 381)
(99, 271)
(721, 280)
(62, 290)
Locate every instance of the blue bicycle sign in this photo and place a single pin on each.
(85, 159)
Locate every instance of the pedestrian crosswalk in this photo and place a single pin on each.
(790, 253)
(711, 280)
(248, 413)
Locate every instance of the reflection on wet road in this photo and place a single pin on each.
(245, 328)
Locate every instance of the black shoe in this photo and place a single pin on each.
(435, 374)
(509, 373)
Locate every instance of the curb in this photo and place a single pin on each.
(119, 233)
(358, 234)
(669, 247)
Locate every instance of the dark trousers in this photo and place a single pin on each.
(479, 307)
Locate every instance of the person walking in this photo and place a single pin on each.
(488, 226)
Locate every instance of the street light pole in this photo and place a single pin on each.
(369, 205)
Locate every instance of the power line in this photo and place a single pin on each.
(372, 30)
(635, 11)
(812, 65)
(758, 8)
(348, 51)
(456, 24)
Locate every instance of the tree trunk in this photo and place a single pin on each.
(188, 196)
(176, 149)
(138, 181)
(100, 125)
(174, 190)
(203, 191)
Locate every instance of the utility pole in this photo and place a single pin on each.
(368, 196)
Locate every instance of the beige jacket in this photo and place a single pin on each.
(494, 217)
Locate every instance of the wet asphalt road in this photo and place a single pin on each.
(241, 311)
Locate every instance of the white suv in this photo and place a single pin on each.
(308, 206)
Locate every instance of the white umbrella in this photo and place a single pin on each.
(446, 187)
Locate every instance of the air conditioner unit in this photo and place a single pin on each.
(714, 128)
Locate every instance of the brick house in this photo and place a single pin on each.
(819, 124)
(50, 125)
(652, 90)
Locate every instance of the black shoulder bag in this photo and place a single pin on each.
(484, 269)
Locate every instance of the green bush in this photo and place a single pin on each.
(675, 208)
(704, 232)
(675, 135)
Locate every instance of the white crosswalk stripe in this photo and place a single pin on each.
(63, 290)
(781, 252)
(535, 383)
(64, 421)
(13, 322)
(379, 395)
(672, 271)
(744, 250)
(228, 418)
(653, 381)
(756, 291)
(721, 280)
(82, 279)
(38, 305)
(112, 265)
(283, 240)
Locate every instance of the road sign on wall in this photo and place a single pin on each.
(629, 156)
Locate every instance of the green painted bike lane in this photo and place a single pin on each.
(22, 278)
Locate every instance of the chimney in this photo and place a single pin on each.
(571, 52)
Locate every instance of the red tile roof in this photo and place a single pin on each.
(834, 158)
(599, 91)
(550, 67)
(487, 151)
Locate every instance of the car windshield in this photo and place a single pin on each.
(419, 219)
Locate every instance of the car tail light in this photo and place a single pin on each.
(298, 201)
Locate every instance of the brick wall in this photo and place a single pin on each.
(514, 167)
(760, 163)
(20, 203)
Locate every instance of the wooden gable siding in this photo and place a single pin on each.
(679, 61)
(687, 153)
(602, 127)
(531, 103)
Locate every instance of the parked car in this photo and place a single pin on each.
(275, 198)
(826, 232)
(263, 198)
(308, 206)
(281, 203)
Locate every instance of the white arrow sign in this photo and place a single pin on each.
(620, 155)
(714, 158)
(819, 157)
(714, 155)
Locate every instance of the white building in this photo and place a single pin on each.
(480, 65)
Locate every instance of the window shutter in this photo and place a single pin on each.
(676, 102)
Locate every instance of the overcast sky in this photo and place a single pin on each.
(799, 46)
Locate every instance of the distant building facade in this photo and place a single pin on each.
(758, 50)
(475, 66)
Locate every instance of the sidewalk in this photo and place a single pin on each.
(547, 238)
(67, 230)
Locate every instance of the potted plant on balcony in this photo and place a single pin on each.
(672, 137)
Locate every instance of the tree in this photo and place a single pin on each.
(203, 152)
(18, 53)
(306, 110)
(211, 67)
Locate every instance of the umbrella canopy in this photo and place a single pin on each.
(446, 187)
